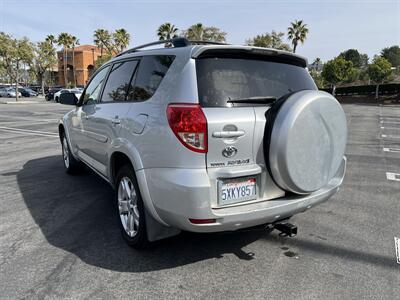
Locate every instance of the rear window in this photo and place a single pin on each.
(221, 79)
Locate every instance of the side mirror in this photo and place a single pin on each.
(68, 99)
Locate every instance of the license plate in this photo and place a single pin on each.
(237, 190)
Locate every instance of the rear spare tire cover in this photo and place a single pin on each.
(307, 141)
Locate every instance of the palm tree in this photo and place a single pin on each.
(297, 32)
(121, 39)
(74, 42)
(167, 31)
(51, 39)
(64, 40)
(102, 39)
(317, 63)
(195, 32)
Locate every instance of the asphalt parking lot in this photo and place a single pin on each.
(59, 236)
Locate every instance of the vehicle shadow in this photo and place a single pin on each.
(77, 214)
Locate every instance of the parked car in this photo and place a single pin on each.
(26, 92)
(50, 93)
(57, 94)
(206, 138)
(36, 88)
(9, 92)
(76, 91)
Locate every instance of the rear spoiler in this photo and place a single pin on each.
(232, 51)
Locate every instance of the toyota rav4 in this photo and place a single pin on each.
(206, 137)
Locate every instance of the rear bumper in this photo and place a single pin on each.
(178, 195)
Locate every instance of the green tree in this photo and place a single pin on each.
(121, 39)
(336, 71)
(14, 54)
(3, 72)
(103, 39)
(297, 32)
(319, 81)
(44, 59)
(260, 40)
(392, 54)
(359, 60)
(269, 40)
(102, 60)
(195, 32)
(167, 31)
(199, 32)
(65, 40)
(111, 42)
(379, 71)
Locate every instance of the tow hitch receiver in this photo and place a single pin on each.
(286, 229)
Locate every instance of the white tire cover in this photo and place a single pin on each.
(307, 142)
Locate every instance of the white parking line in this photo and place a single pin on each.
(19, 130)
(391, 150)
(392, 176)
(389, 122)
(390, 128)
(388, 136)
(27, 119)
(397, 248)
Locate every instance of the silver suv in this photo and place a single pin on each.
(206, 137)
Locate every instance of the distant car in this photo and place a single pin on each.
(27, 92)
(9, 92)
(36, 88)
(76, 91)
(57, 94)
(50, 93)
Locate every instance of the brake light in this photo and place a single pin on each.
(189, 124)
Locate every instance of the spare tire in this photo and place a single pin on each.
(305, 139)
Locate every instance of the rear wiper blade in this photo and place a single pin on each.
(257, 100)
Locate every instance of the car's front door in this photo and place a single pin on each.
(104, 119)
(85, 136)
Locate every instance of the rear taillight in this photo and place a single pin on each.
(189, 124)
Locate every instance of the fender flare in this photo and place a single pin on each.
(129, 150)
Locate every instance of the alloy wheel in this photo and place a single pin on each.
(65, 151)
(127, 206)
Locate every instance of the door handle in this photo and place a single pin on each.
(228, 134)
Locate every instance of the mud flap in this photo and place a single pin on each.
(157, 231)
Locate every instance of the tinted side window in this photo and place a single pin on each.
(118, 81)
(151, 71)
(93, 90)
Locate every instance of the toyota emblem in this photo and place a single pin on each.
(229, 151)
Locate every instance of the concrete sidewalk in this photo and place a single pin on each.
(23, 100)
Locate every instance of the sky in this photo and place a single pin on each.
(334, 25)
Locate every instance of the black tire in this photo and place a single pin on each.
(56, 99)
(71, 165)
(137, 239)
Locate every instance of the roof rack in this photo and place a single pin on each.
(176, 42)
